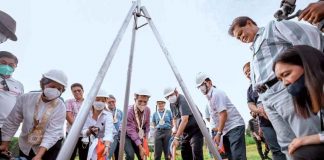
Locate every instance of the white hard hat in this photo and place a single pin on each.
(160, 100)
(200, 78)
(168, 91)
(57, 76)
(102, 93)
(143, 92)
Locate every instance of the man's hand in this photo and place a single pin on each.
(4, 146)
(174, 130)
(258, 138)
(37, 157)
(313, 13)
(262, 112)
(217, 139)
(141, 150)
(175, 143)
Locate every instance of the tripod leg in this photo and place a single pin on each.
(192, 105)
(70, 142)
(126, 100)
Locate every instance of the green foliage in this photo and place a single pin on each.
(14, 147)
(249, 140)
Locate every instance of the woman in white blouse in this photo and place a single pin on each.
(42, 120)
(99, 127)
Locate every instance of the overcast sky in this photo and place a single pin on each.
(75, 36)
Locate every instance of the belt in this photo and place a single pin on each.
(163, 128)
(267, 85)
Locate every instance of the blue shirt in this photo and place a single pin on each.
(119, 118)
(167, 119)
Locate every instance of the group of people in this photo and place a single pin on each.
(285, 99)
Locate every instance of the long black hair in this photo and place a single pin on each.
(312, 61)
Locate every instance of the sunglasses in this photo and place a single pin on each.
(5, 85)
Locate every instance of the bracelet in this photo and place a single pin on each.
(220, 133)
(321, 136)
(177, 138)
(108, 146)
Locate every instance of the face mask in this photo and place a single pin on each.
(203, 89)
(99, 105)
(51, 93)
(141, 107)
(6, 69)
(3, 38)
(297, 88)
(172, 99)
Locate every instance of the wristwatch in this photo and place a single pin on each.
(108, 146)
(220, 133)
(177, 138)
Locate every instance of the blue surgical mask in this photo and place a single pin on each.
(6, 70)
(298, 88)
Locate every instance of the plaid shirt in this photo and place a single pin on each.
(272, 40)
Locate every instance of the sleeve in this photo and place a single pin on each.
(299, 34)
(85, 127)
(54, 127)
(68, 106)
(184, 107)
(131, 127)
(220, 101)
(109, 128)
(147, 121)
(13, 121)
(249, 95)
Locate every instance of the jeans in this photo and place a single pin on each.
(114, 148)
(192, 145)
(271, 139)
(161, 143)
(234, 143)
(131, 149)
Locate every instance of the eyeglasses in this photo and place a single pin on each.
(5, 85)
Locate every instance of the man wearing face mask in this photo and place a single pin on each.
(138, 126)
(9, 87)
(7, 27)
(186, 130)
(99, 128)
(230, 122)
(42, 117)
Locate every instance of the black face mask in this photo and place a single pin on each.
(298, 88)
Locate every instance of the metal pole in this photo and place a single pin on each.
(126, 100)
(192, 105)
(69, 144)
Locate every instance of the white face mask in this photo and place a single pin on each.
(99, 105)
(3, 38)
(172, 99)
(203, 89)
(51, 93)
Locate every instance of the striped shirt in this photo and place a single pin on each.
(275, 38)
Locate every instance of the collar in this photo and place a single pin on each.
(161, 111)
(260, 31)
(210, 93)
(5, 76)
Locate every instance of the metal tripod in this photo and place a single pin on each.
(135, 11)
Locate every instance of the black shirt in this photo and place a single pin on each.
(252, 96)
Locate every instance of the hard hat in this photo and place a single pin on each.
(168, 91)
(200, 78)
(160, 100)
(57, 76)
(8, 26)
(102, 93)
(143, 92)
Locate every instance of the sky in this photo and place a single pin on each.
(75, 36)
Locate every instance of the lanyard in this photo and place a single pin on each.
(140, 126)
(115, 114)
(321, 118)
(161, 118)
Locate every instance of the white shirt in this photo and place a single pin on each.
(218, 102)
(8, 98)
(105, 124)
(24, 112)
